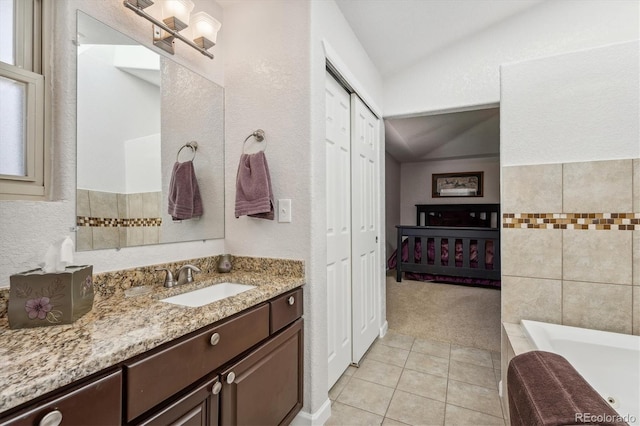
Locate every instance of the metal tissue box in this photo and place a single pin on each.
(38, 299)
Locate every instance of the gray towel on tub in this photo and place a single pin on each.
(184, 194)
(254, 196)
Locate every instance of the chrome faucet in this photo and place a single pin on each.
(185, 273)
(169, 281)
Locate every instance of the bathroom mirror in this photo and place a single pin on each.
(136, 109)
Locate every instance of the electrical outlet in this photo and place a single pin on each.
(284, 210)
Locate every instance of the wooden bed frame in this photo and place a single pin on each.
(486, 216)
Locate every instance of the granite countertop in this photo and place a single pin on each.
(38, 360)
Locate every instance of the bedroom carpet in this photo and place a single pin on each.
(467, 316)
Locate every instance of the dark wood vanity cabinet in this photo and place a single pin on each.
(265, 387)
(253, 368)
(197, 407)
(97, 401)
(243, 370)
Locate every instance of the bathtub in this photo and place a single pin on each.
(610, 362)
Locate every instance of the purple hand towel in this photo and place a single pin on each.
(184, 195)
(254, 196)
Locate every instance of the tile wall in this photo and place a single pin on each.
(571, 247)
(113, 220)
(571, 244)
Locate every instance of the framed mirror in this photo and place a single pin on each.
(136, 109)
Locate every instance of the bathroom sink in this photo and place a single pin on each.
(207, 295)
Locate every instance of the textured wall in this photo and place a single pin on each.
(27, 228)
(468, 72)
(392, 201)
(570, 238)
(329, 28)
(415, 185)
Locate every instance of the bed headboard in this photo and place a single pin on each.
(458, 215)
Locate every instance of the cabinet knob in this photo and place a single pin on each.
(291, 300)
(216, 388)
(215, 338)
(53, 418)
(231, 377)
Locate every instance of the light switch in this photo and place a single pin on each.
(284, 210)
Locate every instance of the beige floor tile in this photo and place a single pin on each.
(432, 347)
(390, 422)
(458, 416)
(334, 392)
(342, 414)
(472, 374)
(378, 372)
(423, 384)
(474, 397)
(366, 396)
(472, 356)
(388, 354)
(397, 340)
(349, 371)
(496, 357)
(415, 410)
(427, 364)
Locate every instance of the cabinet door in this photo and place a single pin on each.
(265, 387)
(154, 377)
(198, 407)
(98, 402)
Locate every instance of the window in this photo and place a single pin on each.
(23, 136)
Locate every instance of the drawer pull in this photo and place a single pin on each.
(216, 388)
(215, 338)
(53, 418)
(291, 300)
(231, 377)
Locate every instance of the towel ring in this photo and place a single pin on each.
(194, 147)
(259, 135)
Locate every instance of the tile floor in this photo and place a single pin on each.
(407, 381)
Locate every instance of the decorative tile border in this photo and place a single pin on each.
(597, 221)
(109, 222)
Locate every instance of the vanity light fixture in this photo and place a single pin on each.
(176, 14)
(205, 29)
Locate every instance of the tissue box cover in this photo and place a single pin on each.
(38, 299)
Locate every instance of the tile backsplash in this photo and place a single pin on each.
(108, 219)
(571, 244)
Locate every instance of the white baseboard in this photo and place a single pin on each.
(383, 329)
(313, 419)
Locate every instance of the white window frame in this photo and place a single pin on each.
(33, 26)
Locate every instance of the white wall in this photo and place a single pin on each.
(392, 202)
(415, 185)
(267, 87)
(555, 103)
(105, 115)
(27, 228)
(142, 164)
(329, 30)
(467, 73)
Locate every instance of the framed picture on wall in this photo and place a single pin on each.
(465, 184)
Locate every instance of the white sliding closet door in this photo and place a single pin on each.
(338, 143)
(365, 202)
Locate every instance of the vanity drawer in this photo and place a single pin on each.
(98, 402)
(285, 309)
(152, 379)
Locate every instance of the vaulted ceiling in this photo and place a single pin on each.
(396, 34)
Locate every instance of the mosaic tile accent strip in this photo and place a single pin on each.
(580, 221)
(109, 222)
